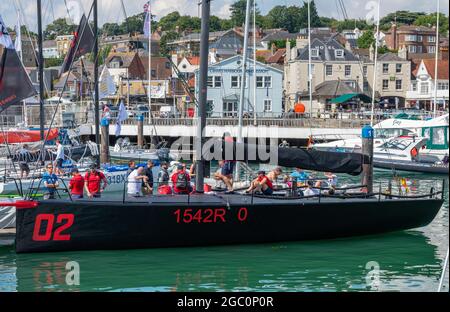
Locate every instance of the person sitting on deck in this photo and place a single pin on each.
(76, 184)
(225, 174)
(311, 190)
(274, 174)
(181, 181)
(50, 182)
(261, 184)
(332, 179)
(299, 176)
(92, 182)
(135, 181)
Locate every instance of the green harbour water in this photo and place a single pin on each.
(407, 261)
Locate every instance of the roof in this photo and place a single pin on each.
(266, 54)
(126, 57)
(193, 60)
(279, 35)
(334, 88)
(231, 59)
(277, 57)
(414, 28)
(49, 44)
(390, 57)
(326, 51)
(161, 66)
(430, 66)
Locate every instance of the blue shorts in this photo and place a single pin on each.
(228, 168)
(268, 191)
(59, 163)
(74, 196)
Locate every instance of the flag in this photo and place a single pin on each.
(83, 40)
(5, 38)
(148, 20)
(123, 115)
(18, 42)
(15, 84)
(106, 86)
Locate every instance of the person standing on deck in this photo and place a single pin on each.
(148, 171)
(135, 181)
(299, 176)
(50, 181)
(24, 153)
(225, 174)
(59, 158)
(76, 184)
(181, 181)
(93, 182)
(131, 167)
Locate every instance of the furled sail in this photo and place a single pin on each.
(349, 163)
(15, 85)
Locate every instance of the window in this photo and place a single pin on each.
(210, 82)
(365, 71)
(217, 82)
(419, 49)
(350, 84)
(412, 49)
(431, 38)
(424, 88)
(385, 68)
(348, 70)
(442, 86)
(267, 82)
(411, 38)
(230, 109)
(329, 70)
(398, 68)
(385, 84)
(153, 73)
(339, 53)
(314, 52)
(259, 82)
(235, 81)
(398, 84)
(267, 105)
(365, 85)
(431, 49)
(419, 38)
(414, 86)
(168, 65)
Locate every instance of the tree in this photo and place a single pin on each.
(238, 12)
(169, 21)
(167, 37)
(59, 27)
(315, 19)
(431, 20)
(366, 40)
(400, 17)
(53, 62)
(215, 23)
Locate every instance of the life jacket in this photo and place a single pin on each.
(414, 152)
(182, 181)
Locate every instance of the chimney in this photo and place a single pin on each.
(288, 50)
(302, 41)
(372, 53)
(394, 36)
(272, 48)
(403, 53)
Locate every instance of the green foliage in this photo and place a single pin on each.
(402, 18)
(167, 37)
(261, 59)
(431, 20)
(366, 40)
(57, 28)
(53, 62)
(281, 44)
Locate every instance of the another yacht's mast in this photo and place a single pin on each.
(309, 60)
(436, 60)
(96, 88)
(374, 82)
(40, 70)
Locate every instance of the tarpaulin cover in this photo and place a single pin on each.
(323, 161)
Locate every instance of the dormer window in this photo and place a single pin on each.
(314, 52)
(339, 53)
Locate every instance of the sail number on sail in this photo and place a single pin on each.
(218, 215)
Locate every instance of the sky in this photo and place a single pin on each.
(110, 10)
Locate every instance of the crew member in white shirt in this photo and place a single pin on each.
(135, 181)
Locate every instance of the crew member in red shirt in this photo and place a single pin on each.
(93, 182)
(261, 184)
(76, 184)
(181, 181)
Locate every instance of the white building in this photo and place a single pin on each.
(421, 92)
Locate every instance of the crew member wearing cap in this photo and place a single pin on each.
(93, 182)
(76, 184)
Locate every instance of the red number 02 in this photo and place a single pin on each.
(66, 221)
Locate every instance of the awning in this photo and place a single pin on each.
(346, 97)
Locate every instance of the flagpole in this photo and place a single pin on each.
(18, 47)
(149, 13)
(436, 60)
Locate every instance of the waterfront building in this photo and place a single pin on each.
(224, 87)
(63, 43)
(50, 49)
(124, 66)
(421, 91)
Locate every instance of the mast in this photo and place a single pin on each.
(255, 120)
(374, 82)
(243, 82)
(203, 89)
(436, 60)
(309, 60)
(18, 46)
(40, 70)
(96, 88)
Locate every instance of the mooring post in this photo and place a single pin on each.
(367, 149)
(104, 150)
(140, 131)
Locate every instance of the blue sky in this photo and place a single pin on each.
(110, 10)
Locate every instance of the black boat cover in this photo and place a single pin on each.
(322, 161)
(15, 85)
